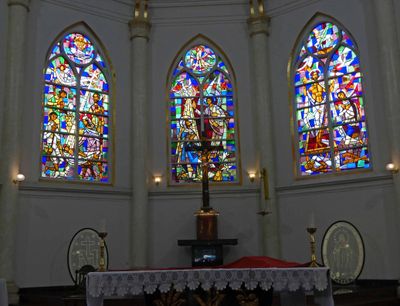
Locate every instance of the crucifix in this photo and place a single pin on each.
(207, 228)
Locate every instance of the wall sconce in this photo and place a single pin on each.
(19, 178)
(392, 168)
(252, 176)
(157, 179)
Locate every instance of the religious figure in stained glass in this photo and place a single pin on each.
(329, 104)
(202, 113)
(75, 108)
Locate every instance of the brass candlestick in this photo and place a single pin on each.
(102, 260)
(311, 231)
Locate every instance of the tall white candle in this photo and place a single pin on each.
(312, 220)
(103, 225)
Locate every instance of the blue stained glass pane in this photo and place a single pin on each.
(344, 61)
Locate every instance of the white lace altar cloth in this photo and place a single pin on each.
(128, 283)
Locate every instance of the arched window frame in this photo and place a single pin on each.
(302, 164)
(228, 72)
(101, 59)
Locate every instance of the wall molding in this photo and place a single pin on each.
(335, 185)
(123, 15)
(288, 7)
(162, 192)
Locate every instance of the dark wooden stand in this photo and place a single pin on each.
(207, 252)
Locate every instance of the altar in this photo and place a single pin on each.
(292, 284)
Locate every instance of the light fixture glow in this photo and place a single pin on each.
(157, 179)
(252, 176)
(392, 168)
(19, 178)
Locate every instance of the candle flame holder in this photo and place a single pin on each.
(102, 260)
(311, 231)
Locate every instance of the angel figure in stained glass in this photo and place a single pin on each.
(53, 139)
(216, 121)
(188, 133)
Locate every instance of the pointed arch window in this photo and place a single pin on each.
(76, 111)
(202, 105)
(329, 104)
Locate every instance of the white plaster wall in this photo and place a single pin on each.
(365, 199)
(50, 213)
(171, 209)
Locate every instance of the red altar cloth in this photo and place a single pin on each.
(249, 262)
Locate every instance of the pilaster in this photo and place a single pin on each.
(258, 25)
(10, 138)
(389, 57)
(140, 30)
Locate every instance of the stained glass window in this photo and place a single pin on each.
(76, 118)
(331, 128)
(202, 107)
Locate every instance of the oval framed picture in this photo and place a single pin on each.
(343, 252)
(84, 253)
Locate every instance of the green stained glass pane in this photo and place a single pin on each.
(348, 110)
(343, 61)
(217, 85)
(200, 59)
(93, 171)
(55, 51)
(57, 96)
(312, 118)
(185, 108)
(224, 172)
(53, 167)
(93, 148)
(309, 70)
(184, 173)
(56, 120)
(93, 125)
(56, 144)
(310, 94)
(184, 85)
(357, 158)
(60, 72)
(93, 78)
(201, 79)
(78, 48)
(315, 141)
(94, 102)
(346, 86)
(323, 38)
(315, 164)
(350, 135)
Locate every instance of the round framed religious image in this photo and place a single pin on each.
(84, 254)
(343, 252)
